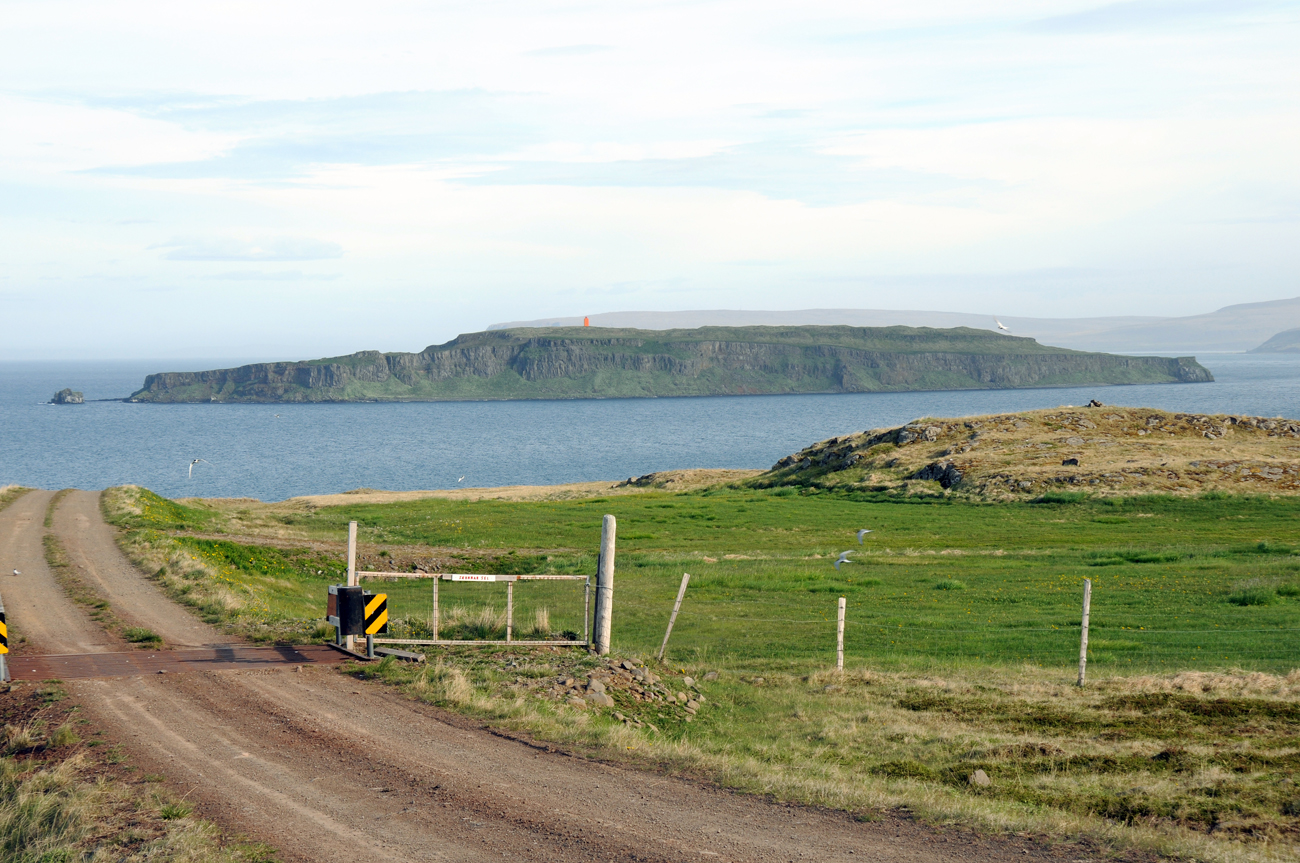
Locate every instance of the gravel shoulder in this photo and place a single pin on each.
(326, 767)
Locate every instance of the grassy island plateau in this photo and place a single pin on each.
(592, 362)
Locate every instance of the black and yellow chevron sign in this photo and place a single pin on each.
(376, 613)
(4, 634)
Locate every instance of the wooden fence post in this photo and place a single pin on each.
(350, 641)
(510, 610)
(839, 637)
(681, 592)
(1083, 629)
(436, 579)
(605, 586)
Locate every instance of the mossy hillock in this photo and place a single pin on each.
(1055, 455)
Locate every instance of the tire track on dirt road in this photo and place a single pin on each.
(329, 768)
(92, 550)
(36, 607)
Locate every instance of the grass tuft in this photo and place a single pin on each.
(140, 635)
(174, 811)
(64, 735)
(1252, 596)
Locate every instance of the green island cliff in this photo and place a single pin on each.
(593, 362)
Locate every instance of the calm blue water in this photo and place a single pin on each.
(312, 449)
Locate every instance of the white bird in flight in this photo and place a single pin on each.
(844, 558)
(460, 479)
(196, 461)
(862, 533)
(1002, 326)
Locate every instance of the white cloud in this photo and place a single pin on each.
(265, 249)
(473, 158)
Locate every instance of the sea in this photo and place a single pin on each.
(273, 452)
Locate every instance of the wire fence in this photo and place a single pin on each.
(559, 610)
(554, 610)
(1274, 650)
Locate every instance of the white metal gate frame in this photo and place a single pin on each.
(484, 578)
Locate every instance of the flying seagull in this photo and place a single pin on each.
(196, 461)
(862, 533)
(1002, 326)
(844, 558)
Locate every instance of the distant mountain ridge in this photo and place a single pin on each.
(1285, 342)
(1231, 328)
(594, 362)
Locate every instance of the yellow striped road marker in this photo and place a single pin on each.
(377, 613)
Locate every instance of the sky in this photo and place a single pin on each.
(287, 180)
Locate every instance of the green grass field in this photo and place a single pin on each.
(962, 643)
(1177, 583)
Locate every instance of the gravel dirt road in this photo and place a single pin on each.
(93, 553)
(35, 606)
(328, 768)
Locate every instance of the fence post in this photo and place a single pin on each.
(510, 610)
(436, 579)
(605, 586)
(350, 641)
(586, 612)
(839, 637)
(1083, 629)
(681, 592)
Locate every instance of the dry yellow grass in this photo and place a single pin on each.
(1101, 449)
(673, 480)
(861, 741)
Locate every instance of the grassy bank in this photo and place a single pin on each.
(961, 643)
(10, 493)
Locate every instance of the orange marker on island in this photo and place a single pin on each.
(586, 322)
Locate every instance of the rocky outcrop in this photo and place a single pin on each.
(68, 396)
(1077, 449)
(945, 472)
(588, 362)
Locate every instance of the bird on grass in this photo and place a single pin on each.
(844, 558)
(1002, 326)
(862, 533)
(196, 461)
